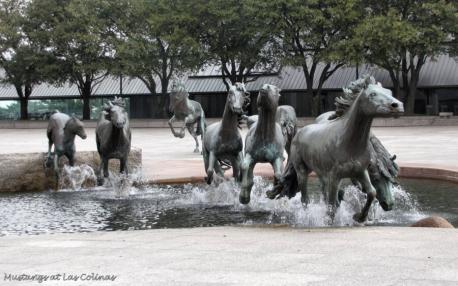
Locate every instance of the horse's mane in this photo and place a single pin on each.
(350, 94)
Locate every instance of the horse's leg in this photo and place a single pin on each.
(187, 120)
(71, 159)
(192, 131)
(100, 179)
(278, 169)
(247, 179)
(331, 187)
(170, 122)
(210, 169)
(371, 193)
(236, 164)
(123, 166)
(302, 173)
(56, 164)
(105, 167)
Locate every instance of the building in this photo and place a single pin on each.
(437, 89)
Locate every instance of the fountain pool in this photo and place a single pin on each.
(105, 209)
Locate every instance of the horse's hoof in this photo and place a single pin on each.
(100, 182)
(197, 151)
(244, 199)
(359, 217)
(272, 194)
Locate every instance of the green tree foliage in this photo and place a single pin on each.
(24, 63)
(401, 35)
(313, 35)
(76, 32)
(154, 42)
(235, 37)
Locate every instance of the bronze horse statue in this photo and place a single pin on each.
(113, 137)
(264, 141)
(382, 169)
(286, 117)
(61, 133)
(222, 140)
(187, 110)
(340, 148)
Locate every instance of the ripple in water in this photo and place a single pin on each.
(125, 207)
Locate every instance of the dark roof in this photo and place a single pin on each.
(440, 72)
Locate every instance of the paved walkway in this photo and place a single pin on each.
(165, 156)
(239, 256)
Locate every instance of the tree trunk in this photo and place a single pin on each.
(164, 100)
(86, 108)
(410, 101)
(316, 105)
(24, 108)
(86, 95)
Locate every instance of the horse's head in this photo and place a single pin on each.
(384, 188)
(114, 112)
(238, 98)
(268, 97)
(75, 126)
(378, 101)
(177, 94)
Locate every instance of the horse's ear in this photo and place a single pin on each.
(368, 79)
(278, 90)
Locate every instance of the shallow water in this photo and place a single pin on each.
(129, 208)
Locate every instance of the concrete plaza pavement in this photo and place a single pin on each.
(165, 156)
(239, 256)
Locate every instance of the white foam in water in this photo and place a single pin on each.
(294, 213)
(122, 184)
(74, 178)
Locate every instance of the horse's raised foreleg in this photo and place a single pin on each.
(170, 122)
(371, 193)
(247, 179)
(192, 131)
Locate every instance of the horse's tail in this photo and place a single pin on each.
(287, 185)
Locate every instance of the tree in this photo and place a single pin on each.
(159, 46)
(400, 36)
(76, 32)
(313, 35)
(236, 38)
(24, 63)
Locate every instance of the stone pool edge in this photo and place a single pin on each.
(408, 170)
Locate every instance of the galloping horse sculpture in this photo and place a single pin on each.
(61, 132)
(382, 169)
(286, 117)
(187, 110)
(340, 148)
(113, 137)
(222, 140)
(264, 141)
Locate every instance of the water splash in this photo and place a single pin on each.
(76, 178)
(292, 212)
